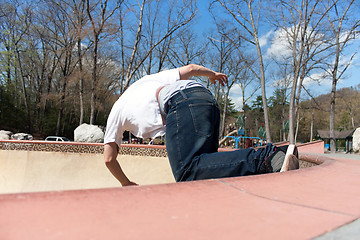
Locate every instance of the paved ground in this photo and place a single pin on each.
(343, 155)
(350, 231)
(321, 201)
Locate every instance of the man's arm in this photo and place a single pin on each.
(196, 70)
(110, 154)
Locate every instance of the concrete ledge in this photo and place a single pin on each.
(312, 147)
(80, 147)
(300, 204)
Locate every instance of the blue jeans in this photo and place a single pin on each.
(192, 132)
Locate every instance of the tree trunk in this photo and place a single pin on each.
(297, 126)
(8, 70)
(135, 48)
(61, 108)
(93, 83)
(312, 126)
(81, 80)
(26, 100)
(332, 118)
(333, 95)
(283, 135)
(222, 125)
(262, 78)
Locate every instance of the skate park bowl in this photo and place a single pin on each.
(64, 191)
(38, 166)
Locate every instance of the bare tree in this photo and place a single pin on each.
(300, 25)
(98, 16)
(224, 58)
(178, 16)
(79, 10)
(23, 15)
(344, 24)
(122, 46)
(282, 85)
(62, 34)
(246, 15)
(223, 50)
(186, 48)
(7, 25)
(225, 62)
(247, 82)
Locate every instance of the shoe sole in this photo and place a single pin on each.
(291, 162)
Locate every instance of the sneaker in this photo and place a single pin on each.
(281, 159)
(291, 162)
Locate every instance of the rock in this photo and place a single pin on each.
(88, 133)
(356, 140)
(5, 135)
(22, 136)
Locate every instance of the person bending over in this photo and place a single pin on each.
(168, 102)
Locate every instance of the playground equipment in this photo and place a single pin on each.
(237, 139)
(240, 124)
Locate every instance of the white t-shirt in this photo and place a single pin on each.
(137, 109)
(170, 90)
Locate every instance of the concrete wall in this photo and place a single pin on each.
(33, 171)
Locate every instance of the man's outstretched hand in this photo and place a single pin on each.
(220, 77)
(197, 70)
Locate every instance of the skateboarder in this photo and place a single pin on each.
(168, 102)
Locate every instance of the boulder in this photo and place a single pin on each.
(356, 140)
(5, 135)
(22, 136)
(88, 133)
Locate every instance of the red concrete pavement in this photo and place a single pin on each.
(299, 204)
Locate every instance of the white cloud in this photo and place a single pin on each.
(279, 46)
(236, 89)
(344, 35)
(237, 100)
(279, 49)
(263, 40)
(321, 78)
(236, 96)
(324, 79)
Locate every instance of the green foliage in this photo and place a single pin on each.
(278, 98)
(257, 104)
(231, 110)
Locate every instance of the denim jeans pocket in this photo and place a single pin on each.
(203, 116)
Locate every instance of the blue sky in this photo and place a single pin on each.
(351, 77)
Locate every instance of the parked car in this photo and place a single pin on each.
(57, 139)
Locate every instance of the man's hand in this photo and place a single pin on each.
(110, 154)
(220, 77)
(197, 70)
